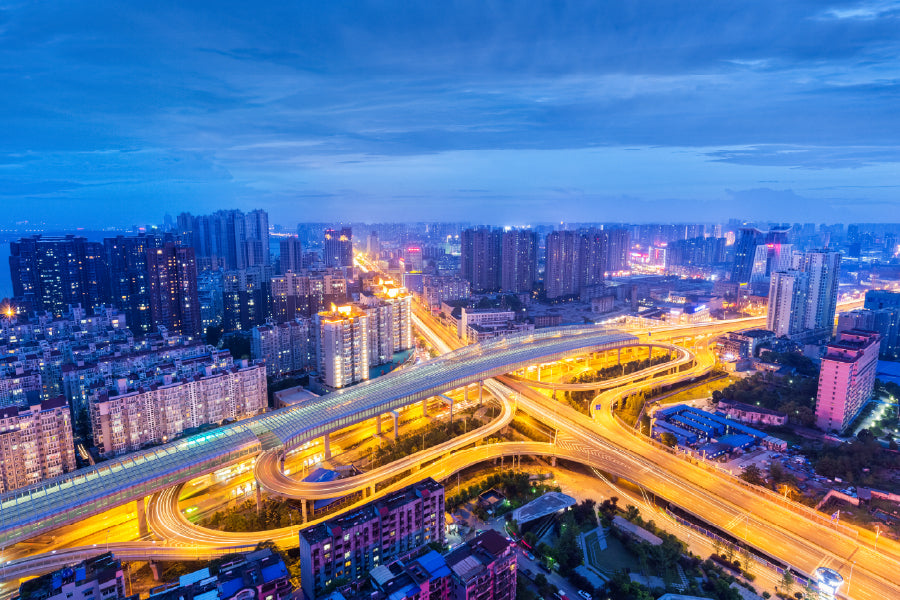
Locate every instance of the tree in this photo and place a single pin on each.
(669, 439)
(787, 580)
(752, 475)
(632, 512)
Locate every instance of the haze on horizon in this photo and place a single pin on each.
(114, 113)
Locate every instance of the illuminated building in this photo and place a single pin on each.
(291, 257)
(35, 443)
(562, 268)
(480, 258)
(51, 273)
(246, 298)
(373, 246)
(518, 271)
(339, 247)
(389, 320)
(443, 288)
(227, 238)
(484, 568)
(174, 299)
(343, 345)
(846, 378)
(126, 418)
(349, 546)
(129, 285)
(803, 300)
(97, 578)
(787, 303)
(286, 348)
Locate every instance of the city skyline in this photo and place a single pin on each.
(770, 111)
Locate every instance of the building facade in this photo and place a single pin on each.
(338, 248)
(343, 346)
(846, 378)
(480, 263)
(35, 443)
(174, 296)
(124, 420)
(349, 546)
(484, 568)
(518, 255)
(286, 348)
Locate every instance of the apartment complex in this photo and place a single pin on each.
(285, 348)
(35, 443)
(846, 378)
(349, 546)
(803, 299)
(126, 419)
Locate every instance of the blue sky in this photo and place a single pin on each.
(113, 113)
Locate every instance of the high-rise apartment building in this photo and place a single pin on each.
(246, 296)
(128, 276)
(759, 254)
(480, 264)
(351, 545)
(441, 288)
(51, 273)
(591, 260)
(846, 378)
(787, 303)
(518, 255)
(618, 244)
(823, 270)
(291, 257)
(228, 239)
(35, 443)
(126, 419)
(803, 299)
(174, 299)
(343, 346)
(338, 248)
(561, 274)
(389, 312)
(883, 307)
(286, 348)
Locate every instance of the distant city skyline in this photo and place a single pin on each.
(116, 113)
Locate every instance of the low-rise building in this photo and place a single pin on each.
(749, 413)
(98, 578)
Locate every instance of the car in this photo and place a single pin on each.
(528, 554)
(584, 595)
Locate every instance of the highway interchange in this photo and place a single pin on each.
(600, 440)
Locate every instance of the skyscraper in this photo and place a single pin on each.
(803, 299)
(246, 294)
(373, 246)
(480, 258)
(562, 268)
(129, 286)
(592, 252)
(518, 261)
(174, 300)
(339, 247)
(227, 238)
(618, 247)
(50, 273)
(757, 255)
(291, 257)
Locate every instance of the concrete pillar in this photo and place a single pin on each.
(378, 425)
(553, 461)
(258, 499)
(154, 569)
(618, 356)
(327, 447)
(451, 410)
(425, 407)
(282, 457)
(141, 517)
(370, 491)
(396, 417)
(467, 391)
(480, 392)
(305, 509)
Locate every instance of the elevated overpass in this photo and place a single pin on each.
(39, 508)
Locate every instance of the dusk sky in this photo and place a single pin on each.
(114, 113)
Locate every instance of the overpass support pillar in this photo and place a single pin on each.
(141, 517)
(553, 461)
(370, 491)
(466, 398)
(304, 506)
(618, 356)
(480, 392)
(281, 458)
(154, 569)
(327, 446)
(396, 417)
(258, 499)
(451, 412)
(425, 407)
(378, 425)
